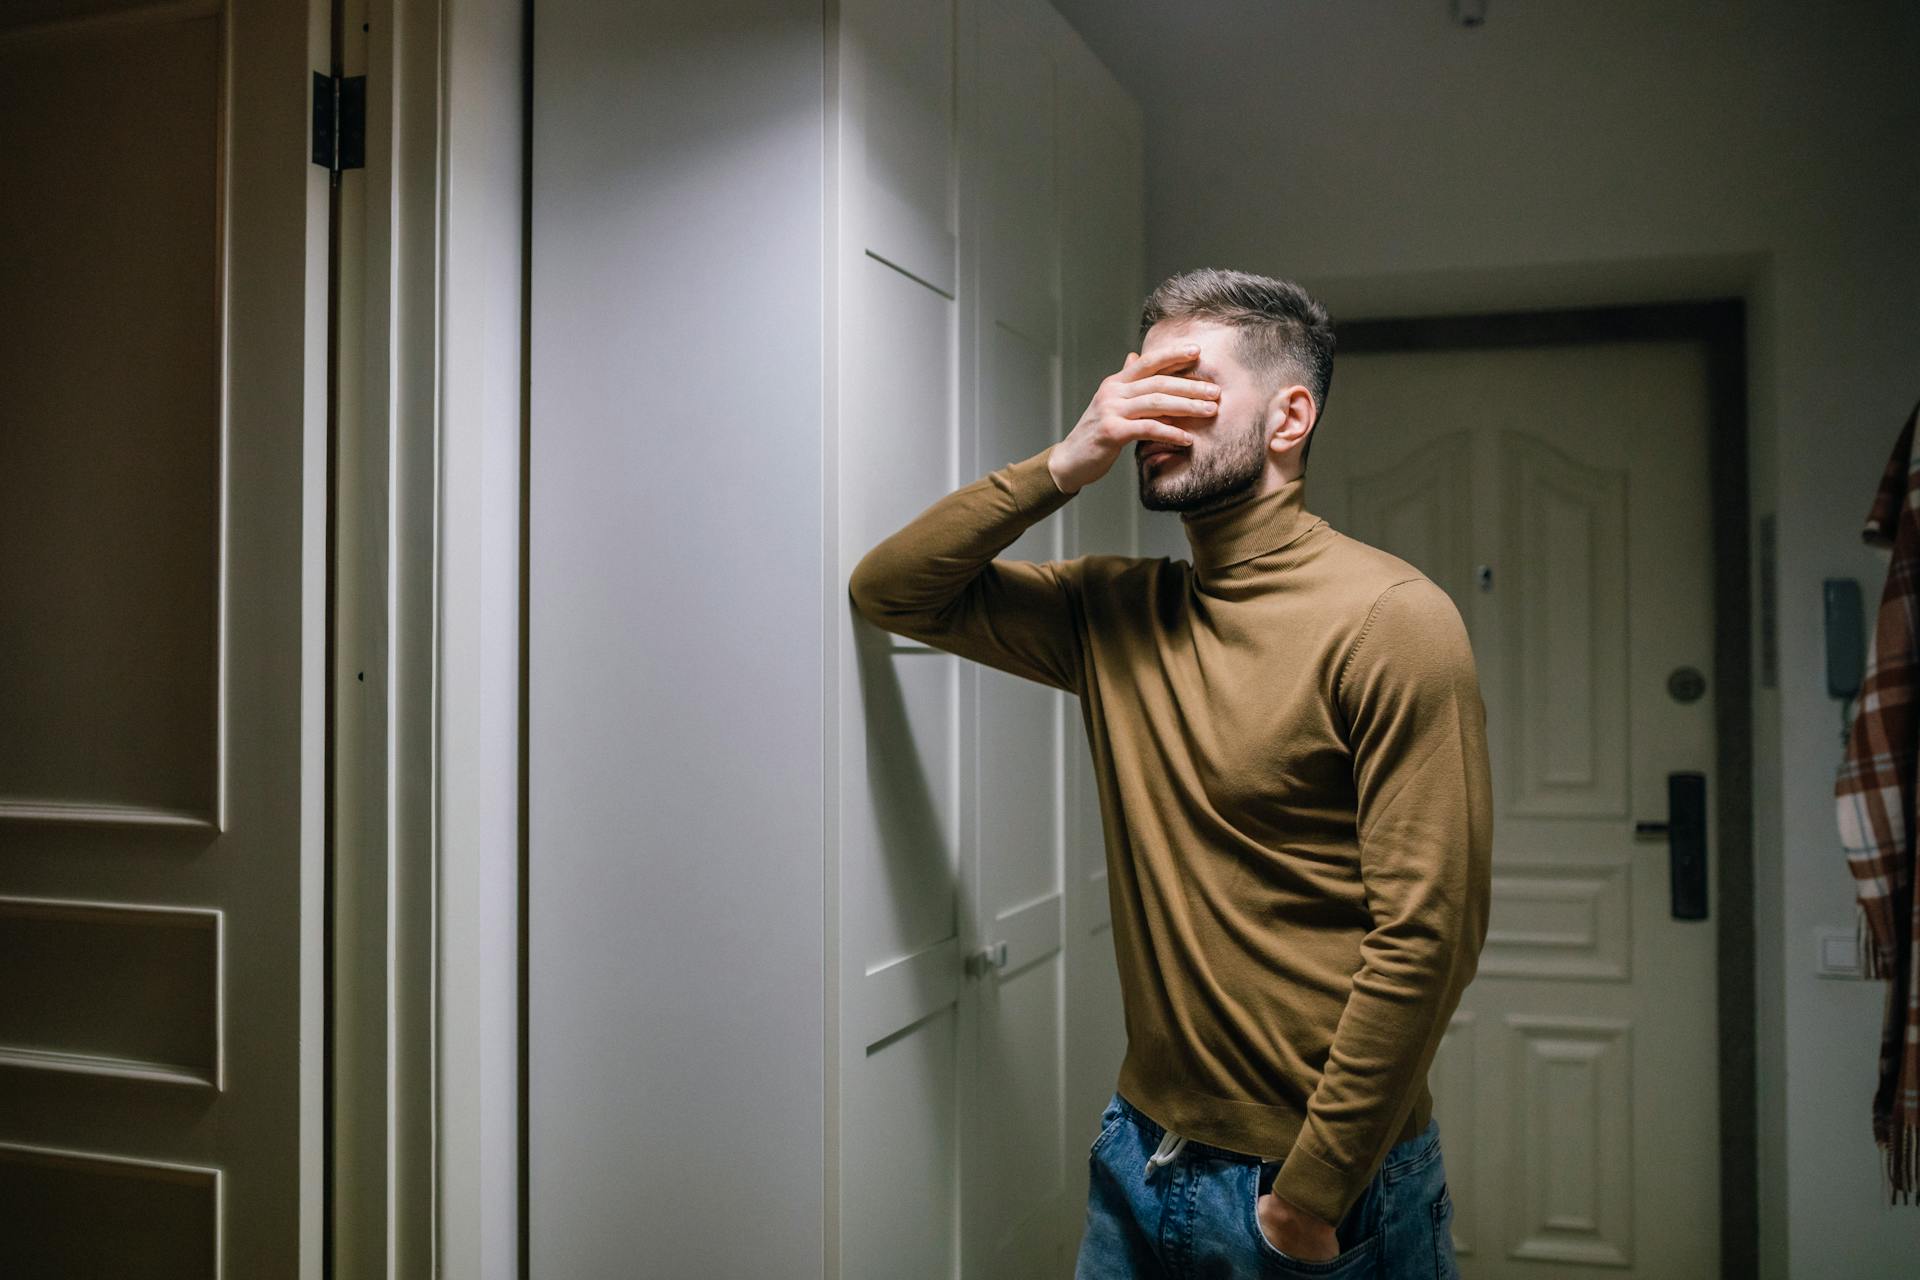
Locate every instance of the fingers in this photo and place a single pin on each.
(1177, 406)
(1171, 357)
(1143, 388)
(1153, 429)
(1190, 388)
(1177, 385)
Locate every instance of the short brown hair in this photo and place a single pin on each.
(1284, 331)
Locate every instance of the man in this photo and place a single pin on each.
(1295, 792)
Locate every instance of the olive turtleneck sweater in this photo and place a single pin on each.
(1291, 750)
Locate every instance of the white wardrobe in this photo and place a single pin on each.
(820, 976)
(988, 272)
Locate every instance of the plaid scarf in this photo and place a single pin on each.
(1875, 795)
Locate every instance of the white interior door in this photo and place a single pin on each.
(162, 607)
(1560, 495)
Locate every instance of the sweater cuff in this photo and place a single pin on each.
(1315, 1185)
(1032, 485)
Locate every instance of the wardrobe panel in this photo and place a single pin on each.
(1019, 236)
(902, 842)
(902, 1157)
(896, 404)
(899, 56)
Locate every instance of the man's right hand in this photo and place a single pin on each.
(1122, 410)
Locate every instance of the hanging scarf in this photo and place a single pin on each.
(1875, 794)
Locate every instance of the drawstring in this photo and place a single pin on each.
(1170, 1144)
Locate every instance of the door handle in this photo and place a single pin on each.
(990, 958)
(1686, 833)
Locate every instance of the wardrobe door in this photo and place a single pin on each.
(1018, 1172)
(903, 917)
(965, 1085)
(1102, 250)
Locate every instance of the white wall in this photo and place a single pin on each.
(1571, 153)
(676, 641)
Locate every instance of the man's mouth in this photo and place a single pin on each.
(1147, 455)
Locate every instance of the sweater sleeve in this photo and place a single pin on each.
(1424, 820)
(935, 580)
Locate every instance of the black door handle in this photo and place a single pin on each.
(1686, 833)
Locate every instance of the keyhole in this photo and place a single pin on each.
(1483, 574)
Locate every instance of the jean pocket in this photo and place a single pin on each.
(1110, 1121)
(1362, 1258)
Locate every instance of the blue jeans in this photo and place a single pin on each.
(1193, 1216)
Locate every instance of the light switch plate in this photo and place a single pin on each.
(1837, 953)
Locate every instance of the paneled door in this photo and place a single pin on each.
(162, 640)
(1560, 495)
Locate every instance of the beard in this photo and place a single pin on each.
(1212, 475)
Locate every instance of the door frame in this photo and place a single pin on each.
(434, 334)
(1720, 326)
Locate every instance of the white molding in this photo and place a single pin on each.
(212, 1075)
(86, 1064)
(71, 813)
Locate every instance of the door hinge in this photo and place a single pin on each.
(339, 122)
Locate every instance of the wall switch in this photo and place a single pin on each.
(1838, 953)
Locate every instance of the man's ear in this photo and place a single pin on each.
(1290, 415)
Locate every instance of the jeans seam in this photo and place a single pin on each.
(1422, 1156)
(1442, 1212)
(1412, 1165)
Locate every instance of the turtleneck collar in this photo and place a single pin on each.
(1247, 528)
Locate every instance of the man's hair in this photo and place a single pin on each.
(1284, 332)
